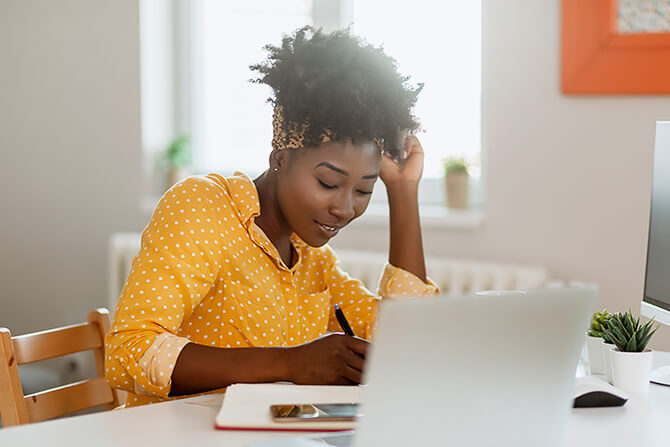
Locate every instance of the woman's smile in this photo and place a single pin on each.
(329, 230)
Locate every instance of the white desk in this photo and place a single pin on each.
(643, 421)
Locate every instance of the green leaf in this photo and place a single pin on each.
(649, 324)
(641, 344)
(631, 346)
(628, 323)
(606, 336)
(179, 152)
(453, 164)
(640, 334)
(619, 331)
(628, 327)
(647, 336)
(605, 324)
(646, 329)
(616, 340)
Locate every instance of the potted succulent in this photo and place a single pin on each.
(177, 158)
(631, 361)
(594, 341)
(456, 176)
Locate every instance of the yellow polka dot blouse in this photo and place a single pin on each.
(207, 274)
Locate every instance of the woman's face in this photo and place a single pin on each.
(320, 190)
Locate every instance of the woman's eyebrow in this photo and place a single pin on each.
(342, 171)
(334, 168)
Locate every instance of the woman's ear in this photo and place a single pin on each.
(278, 160)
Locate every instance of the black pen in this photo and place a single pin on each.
(344, 324)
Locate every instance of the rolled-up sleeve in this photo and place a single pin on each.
(172, 273)
(397, 283)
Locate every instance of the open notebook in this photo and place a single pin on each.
(247, 406)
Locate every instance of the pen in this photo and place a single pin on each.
(344, 324)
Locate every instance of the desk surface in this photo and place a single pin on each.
(643, 421)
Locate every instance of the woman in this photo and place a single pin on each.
(234, 281)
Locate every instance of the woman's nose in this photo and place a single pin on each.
(343, 207)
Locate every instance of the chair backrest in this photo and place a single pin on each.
(16, 409)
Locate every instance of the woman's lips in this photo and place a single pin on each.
(328, 230)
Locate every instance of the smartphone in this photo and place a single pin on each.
(315, 412)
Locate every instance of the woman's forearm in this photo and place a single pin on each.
(203, 368)
(327, 360)
(406, 246)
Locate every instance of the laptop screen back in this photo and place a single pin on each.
(475, 371)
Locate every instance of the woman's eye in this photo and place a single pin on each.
(325, 185)
(364, 192)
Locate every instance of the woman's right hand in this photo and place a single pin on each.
(334, 359)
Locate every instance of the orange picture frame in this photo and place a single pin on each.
(597, 60)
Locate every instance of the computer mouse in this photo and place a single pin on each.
(593, 392)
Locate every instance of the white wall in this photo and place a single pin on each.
(569, 178)
(70, 153)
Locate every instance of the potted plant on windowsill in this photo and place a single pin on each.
(178, 160)
(594, 341)
(456, 177)
(631, 361)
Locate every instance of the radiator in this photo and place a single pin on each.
(453, 276)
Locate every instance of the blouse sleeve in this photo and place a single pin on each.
(173, 271)
(359, 304)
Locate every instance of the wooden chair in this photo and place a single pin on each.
(16, 409)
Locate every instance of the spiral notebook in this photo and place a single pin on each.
(247, 406)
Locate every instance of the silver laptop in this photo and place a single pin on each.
(481, 370)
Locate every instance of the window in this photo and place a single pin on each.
(235, 129)
(438, 43)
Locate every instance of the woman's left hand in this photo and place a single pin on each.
(409, 169)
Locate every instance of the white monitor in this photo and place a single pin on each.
(656, 301)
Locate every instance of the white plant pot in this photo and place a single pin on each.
(631, 370)
(607, 358)
(594, 352)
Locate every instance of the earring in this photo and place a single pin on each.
(275, 169)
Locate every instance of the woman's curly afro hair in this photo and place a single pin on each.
(339, 82)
